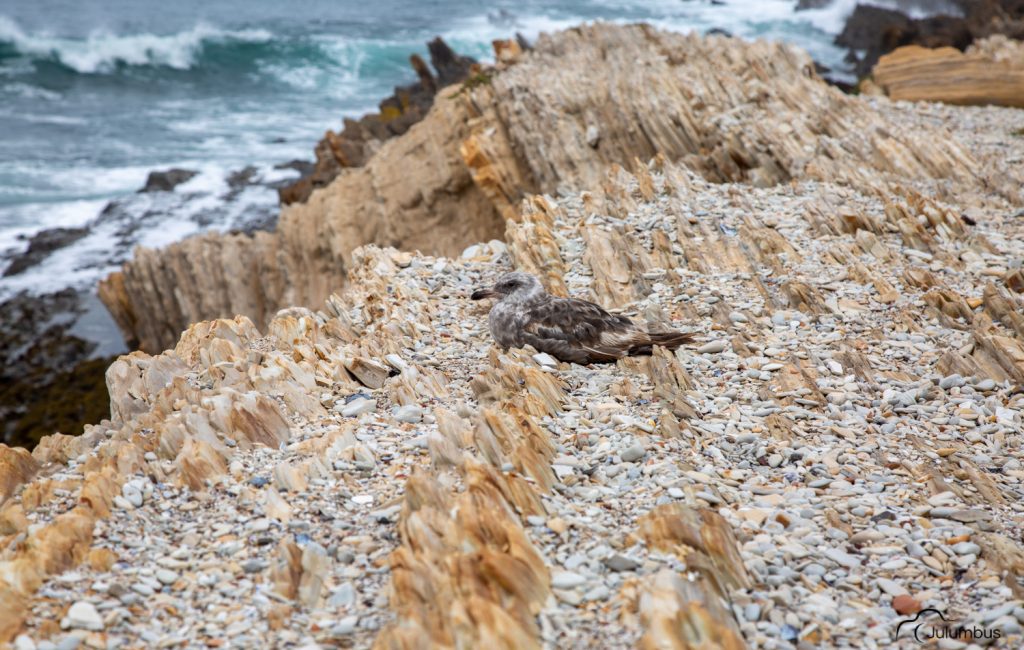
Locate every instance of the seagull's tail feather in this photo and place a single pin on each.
(643, 344)
(670, 340)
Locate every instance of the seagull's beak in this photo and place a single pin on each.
(480, 294)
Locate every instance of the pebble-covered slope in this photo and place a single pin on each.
(843, 440)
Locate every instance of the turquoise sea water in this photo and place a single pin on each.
(95, 95)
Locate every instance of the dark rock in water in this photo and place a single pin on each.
(126, 216)
(165, 181)
(243, 178)
(719, 32)
(803, 5)
(877, 31)
(869, 25)
(304, 167)
(50, 377)
(451, 67)
(931, 7)
(42, 244)
(359, 139)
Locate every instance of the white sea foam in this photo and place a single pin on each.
(340, 78)
(28, 91)
(79, 265)
(152, 220)
(832, 17)
(209, 180)
(47, 183)
(744, 18)
(25, 220)
(473, 36)
(103, 51)
(59, 120)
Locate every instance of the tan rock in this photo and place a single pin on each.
(16, 467)
(983, 75)
(370, 373)
(101, 559)
(475, 557)
(674, 610)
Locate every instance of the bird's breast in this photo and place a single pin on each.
(504, 320)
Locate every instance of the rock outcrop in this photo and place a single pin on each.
(166, 181)
(991, 72)
(40, 245)
(872, 31)
(846, 431)
(549, 119)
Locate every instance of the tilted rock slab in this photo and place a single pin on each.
(990, 72)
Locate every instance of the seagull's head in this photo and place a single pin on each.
(516, 284)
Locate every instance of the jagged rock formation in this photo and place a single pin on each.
(991, 72)
(847, 430)
(551, 118)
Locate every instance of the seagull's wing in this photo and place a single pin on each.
(580, 331)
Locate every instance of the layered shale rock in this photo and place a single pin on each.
(842, 442)
(990, 72)
(549, 119)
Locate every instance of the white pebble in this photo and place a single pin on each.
(83, 615)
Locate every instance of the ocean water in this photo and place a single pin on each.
(94, 95)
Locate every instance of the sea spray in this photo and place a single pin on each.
(103, 52)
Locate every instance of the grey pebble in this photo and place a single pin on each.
(619, 562)
(409, 413)
(632, 453)
(346, 626)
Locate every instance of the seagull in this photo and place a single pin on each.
(566, 328)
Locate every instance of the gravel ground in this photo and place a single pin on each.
(813, 413)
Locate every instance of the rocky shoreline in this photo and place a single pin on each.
(352, 148)
(58, 345)
(839, 450)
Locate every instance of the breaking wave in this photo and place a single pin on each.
(103, 52)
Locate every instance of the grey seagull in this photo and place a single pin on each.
(566, 328)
